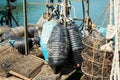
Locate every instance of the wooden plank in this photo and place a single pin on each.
(28, 67)
(10, 78)
(46, 73)
(65, 77)
(2, 49)
(19, 75)
(7, 59)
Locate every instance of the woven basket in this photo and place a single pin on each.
(96, 63)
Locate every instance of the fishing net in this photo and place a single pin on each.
(96, 63)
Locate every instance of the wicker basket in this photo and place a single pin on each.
(96, 63)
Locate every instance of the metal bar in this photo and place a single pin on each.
(65, 12)
(87, 8)
(80, 19)
(25, 26)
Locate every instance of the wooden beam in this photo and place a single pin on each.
(65, 12)
(19, 75)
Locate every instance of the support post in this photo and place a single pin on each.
(25, 26)
(65, 12)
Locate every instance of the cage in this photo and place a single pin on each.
(96, 63)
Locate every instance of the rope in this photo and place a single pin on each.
(103, 64)
(93, 51)
(111, 12)
(106, 16)
(102, 14)
(115, 72)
